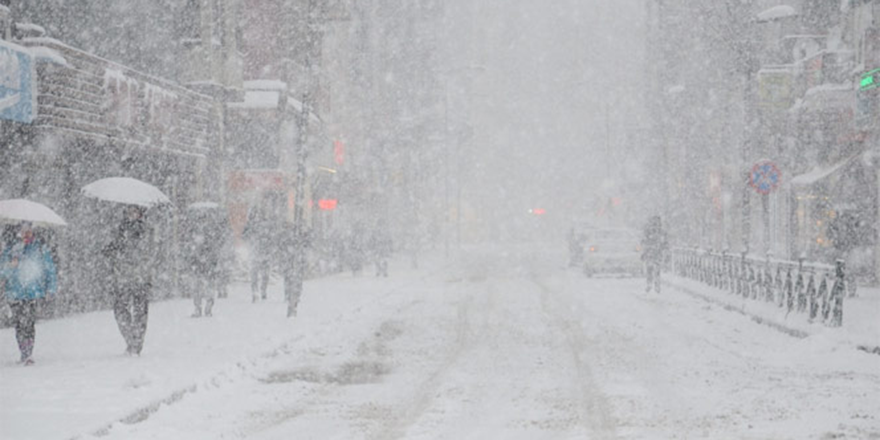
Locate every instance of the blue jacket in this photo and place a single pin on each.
(34, 277)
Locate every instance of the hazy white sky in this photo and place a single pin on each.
(535, 79)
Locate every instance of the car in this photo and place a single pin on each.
(612, 252)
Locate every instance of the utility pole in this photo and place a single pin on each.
(294, 282)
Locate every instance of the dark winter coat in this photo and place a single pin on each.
(131, 254)
(206, 245)
(381, 244)
(654, 244)
(261, 234)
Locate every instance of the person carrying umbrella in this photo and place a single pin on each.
(28, 273)
(130, 254)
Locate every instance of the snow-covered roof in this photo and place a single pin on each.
(258, 99)
(296, 104)
(675, 89)
(204, 205)
(265, 84)
(48, 55)
(776, 13)
(826, 97)
(819, 173)
(31, 29)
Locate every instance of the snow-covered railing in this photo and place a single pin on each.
(805, 287)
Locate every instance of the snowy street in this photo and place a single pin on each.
(501, 344)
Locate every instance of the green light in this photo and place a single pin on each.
(869, 80)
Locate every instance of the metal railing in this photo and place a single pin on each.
(805, 287)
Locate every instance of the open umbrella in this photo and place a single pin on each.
(21, 210)
(127, 191)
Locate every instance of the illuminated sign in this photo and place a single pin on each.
(870, 80)
(327, 204)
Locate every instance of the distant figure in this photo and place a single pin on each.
(27, 273)
(355, 250)
(381, 246)
(131, 256)
(654, 246)
(575, 248)
(206, 241)
(260, 235)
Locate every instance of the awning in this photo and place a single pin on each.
(820, 173)
(827, 97)
(776, 13)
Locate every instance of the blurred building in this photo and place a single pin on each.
(790, 83)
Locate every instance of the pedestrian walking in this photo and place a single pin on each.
(204, 243)
(355, 249)
(28, 274)
(381, 246)
(131, 259)
(260, 234)
(654, 246)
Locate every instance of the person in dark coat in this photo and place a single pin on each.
(131, 258)
(261, 235)
(381, 246)
(654, 246)
(28, 274)
(205, 242)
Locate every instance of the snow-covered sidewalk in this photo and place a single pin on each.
(861, 315)
(82, 381)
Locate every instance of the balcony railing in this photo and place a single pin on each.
(92, 96)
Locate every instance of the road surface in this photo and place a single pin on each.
(509, 344)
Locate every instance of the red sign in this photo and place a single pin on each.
(327, 204)
(256, 180)
(338, 152)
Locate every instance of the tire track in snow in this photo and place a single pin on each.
(240, 369)
(421, 400)
(594, 406)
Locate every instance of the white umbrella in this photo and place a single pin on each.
(126, 190)
(21, 210)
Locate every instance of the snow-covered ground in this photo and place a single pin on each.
(500, 343)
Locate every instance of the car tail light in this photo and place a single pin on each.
(592, 248)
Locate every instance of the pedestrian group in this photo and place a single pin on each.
(29, 274)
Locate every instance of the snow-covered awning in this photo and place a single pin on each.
(827, 97)
(298, 106)
(776, 13)
(820, 173)
(265, 84)
(258, 99)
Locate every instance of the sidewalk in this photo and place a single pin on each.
(861, 315)
(82, 381)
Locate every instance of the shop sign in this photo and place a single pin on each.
(774, 89)
(17, 84)
(256, 180)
